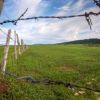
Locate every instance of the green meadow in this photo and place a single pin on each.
(77, 64)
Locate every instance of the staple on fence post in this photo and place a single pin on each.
(6, 50)
(15, 46)
(18, 43)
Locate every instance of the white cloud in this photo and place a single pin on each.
(32, 5)
(53, 31)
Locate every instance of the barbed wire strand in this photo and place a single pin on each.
(6, 33)
(86, 15)
(50, 82)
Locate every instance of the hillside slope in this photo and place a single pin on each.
(85, 41)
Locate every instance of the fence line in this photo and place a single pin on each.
(18, 48)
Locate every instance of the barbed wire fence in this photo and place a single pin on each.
(17, 43)
(86, 15)
(10, 51)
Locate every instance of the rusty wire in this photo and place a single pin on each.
(86, 15)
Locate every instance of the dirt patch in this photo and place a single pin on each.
(3, 87)
(64, 68)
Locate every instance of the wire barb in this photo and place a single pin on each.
(88, 19)
(15, 22)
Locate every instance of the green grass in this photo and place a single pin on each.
(78, 64)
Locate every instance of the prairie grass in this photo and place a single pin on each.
(78, 64)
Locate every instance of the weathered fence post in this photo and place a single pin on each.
(6, 50)
(18, 42)
(25, 47)
(15, 46)
(22, 45)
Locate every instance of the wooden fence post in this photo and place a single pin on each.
(18, 42)
(25, 47)
(22, 45)
(15, 46)
(6, 50)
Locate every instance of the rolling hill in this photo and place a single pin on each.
(85, 41)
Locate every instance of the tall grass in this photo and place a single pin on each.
(79, 64)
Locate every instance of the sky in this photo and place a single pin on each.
(49, 31)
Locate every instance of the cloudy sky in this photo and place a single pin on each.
(45, 31)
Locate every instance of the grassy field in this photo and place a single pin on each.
(78, 64)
